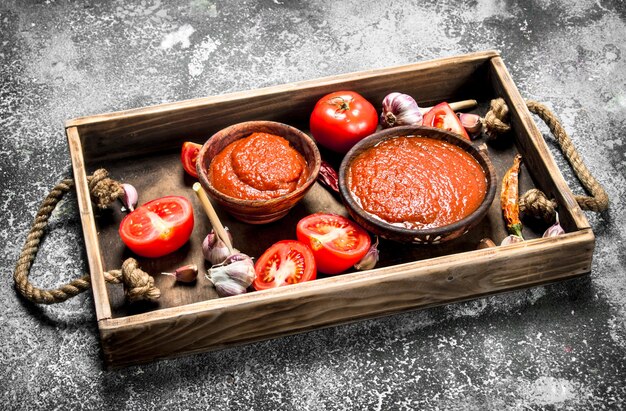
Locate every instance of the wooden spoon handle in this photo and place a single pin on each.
(456, 105)
(213, 218)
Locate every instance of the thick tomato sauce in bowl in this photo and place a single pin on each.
(417, 184)
(258, 170)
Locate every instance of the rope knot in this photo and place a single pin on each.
(535, 203)
(497, 118)
(103, 189)
(138, 284)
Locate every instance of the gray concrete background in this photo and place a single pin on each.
(556, 347)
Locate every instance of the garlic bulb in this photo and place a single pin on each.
(400, 110)
(233, 276)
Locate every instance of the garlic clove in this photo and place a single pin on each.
(512, 239)
(554, 230)
(370, 258)
(485, 243)
(130, 197)
(233, 276)
(241, 272)
(472, 124)
(229, 288)
(185, 274)
(214, 249)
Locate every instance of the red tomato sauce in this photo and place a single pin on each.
(417, 182)
(260, 166)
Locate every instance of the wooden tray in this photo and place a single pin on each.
(142, 147)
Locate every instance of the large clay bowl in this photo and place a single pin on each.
(258, 211)
(419, 236)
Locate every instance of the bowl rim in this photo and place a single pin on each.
(413, 131)
(252, 125)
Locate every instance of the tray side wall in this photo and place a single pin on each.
(218, 324)
(536, 155)
(90, 233)
(167, 126)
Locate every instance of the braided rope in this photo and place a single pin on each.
(534, 202)
(137, 283)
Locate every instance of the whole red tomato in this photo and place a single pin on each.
(158, 227)
(341, 119)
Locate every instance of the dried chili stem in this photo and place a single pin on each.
(509, 198)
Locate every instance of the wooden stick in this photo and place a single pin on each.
(220, 231)
(456, 105)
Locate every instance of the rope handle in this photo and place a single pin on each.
(138, 285)
(534, 202)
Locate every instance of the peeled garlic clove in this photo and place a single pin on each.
(214, 249)
(130, 197)
(472, 124)
(185, 274)
(512, 239)
(370, 259)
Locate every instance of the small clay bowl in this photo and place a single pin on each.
(418, 236)
(258, 211)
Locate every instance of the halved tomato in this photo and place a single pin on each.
(442, 116)
(286, 262)
(337, 242)
(189, 156)
(158, 227)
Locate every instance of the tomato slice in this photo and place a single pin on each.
(442, 116)
(337, 242)
(189, 156)
(286, 262)
(158, 227)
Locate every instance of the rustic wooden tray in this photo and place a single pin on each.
(142, 147)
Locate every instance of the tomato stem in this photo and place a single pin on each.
(342, 103)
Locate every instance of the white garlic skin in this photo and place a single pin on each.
(130, 196)
(400, 110)
(233, 276)
(512, 239)
(370, 259)
(214, 249)
(472, 124)
(554, 230)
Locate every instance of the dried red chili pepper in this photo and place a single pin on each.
(509, 198)
(328, 176)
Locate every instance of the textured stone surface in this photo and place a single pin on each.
(556, 347)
